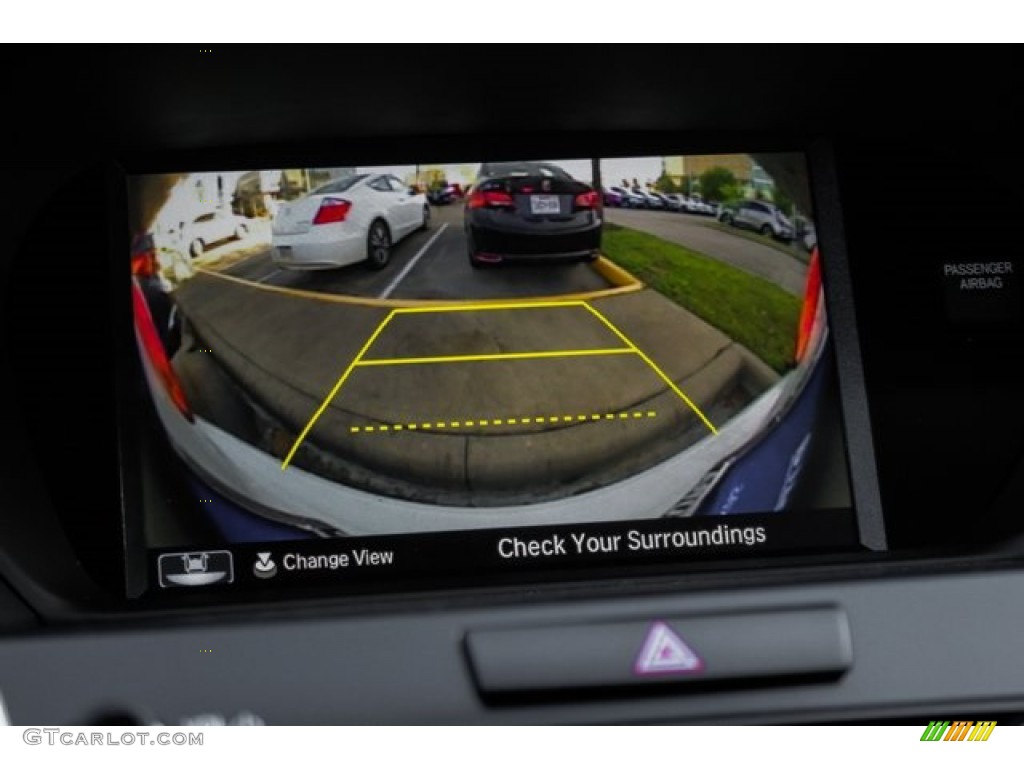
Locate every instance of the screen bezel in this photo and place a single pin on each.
(824, 188)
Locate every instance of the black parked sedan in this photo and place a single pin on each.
(531, 210)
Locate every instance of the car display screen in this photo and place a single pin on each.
(361, 374)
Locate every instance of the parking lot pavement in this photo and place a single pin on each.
(441, 271)
(693, 232)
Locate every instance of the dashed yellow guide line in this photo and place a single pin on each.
(509, 421)
(358, 361)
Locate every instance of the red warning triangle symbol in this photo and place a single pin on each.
(665, 652)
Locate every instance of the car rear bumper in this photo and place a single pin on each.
(303, 251)
(576, 243)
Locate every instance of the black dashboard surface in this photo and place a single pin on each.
(926, 161)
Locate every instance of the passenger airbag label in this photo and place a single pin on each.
(981, 291)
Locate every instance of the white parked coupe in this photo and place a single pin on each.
(357, 218)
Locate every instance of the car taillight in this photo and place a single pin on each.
(587, 199)
(155, 353)
(144, 263)
(490, 198)
(812, 296)
(332, 210)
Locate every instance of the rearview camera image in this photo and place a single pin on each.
(438, 347)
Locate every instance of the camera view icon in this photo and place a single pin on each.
(195, 569)
(264, 567)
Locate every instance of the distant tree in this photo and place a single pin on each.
(666, 183)
(318, 177)
(435, 178)
(718, 184)
(782, 200)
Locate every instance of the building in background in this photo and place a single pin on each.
(258, 193)
(462, 174)
(686, 170)
(192, 196)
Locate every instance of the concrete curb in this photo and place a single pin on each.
(622, 281)
(616, 275)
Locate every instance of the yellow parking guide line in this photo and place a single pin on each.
(341, 380)
(358, 362)
(489, 307)
(661, 374)
(377, 362)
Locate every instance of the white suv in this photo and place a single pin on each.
(761, 216)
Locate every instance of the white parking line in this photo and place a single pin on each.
(267, 276)
(412, 263)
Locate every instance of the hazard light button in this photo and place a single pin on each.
(666, 653)
(671, 650)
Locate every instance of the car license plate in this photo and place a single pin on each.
(544, 204)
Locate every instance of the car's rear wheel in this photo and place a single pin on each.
(766, 230)
(196, 248)
(378, 245)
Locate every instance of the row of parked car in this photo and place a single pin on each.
(760, 216)
(638, 197)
